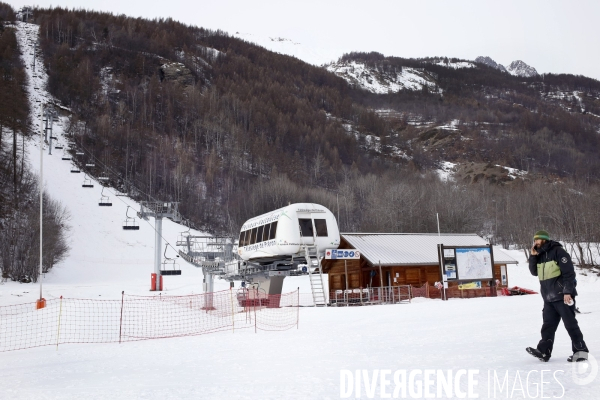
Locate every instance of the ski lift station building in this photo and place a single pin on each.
(409, 259)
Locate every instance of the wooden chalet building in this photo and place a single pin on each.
(402, 259)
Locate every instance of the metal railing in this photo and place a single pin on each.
(369, 296)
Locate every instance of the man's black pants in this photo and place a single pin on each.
(553, 312)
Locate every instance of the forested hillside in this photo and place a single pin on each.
(19, 189)
(546, 124)
(231, 130)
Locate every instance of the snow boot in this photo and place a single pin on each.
(578, 356)
(538, 354)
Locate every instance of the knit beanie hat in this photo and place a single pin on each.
(541, 235)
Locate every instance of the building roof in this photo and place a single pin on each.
(414, 248)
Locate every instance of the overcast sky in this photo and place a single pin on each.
(550, 35)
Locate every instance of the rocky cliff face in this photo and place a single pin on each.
(516, 68)
(490, 63)
(519, 68)
(177, 72)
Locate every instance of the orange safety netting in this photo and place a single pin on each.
(67, 320)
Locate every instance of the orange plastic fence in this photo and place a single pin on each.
(68, 320)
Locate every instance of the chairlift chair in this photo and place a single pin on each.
(90, 165)
(75, 171)
(104, 200)
(58, 147)
(66, 158)
(182, 239)
(169, 266)
(79, 153)
(129, 224)
(87, 183)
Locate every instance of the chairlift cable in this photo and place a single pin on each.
(120, 198)
(106, 167)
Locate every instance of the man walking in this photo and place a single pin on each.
(552, 265)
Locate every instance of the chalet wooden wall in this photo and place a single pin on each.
(359, 273)
(359, 277)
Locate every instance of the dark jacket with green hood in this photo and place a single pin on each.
(555, 270)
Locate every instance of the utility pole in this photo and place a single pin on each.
(41, 303)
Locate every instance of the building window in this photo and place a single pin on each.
(273, 230)
(253, 236)
(241, 241)
(306, 228)
(259, 234)
(321, 227)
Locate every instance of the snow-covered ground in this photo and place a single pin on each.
(446, 170)
(375, 81)
(486, 335)
(513, 172)
(454, 64)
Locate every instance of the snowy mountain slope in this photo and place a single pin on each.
(378, 81)
(382, 80)
(452, 64)
(102, 253)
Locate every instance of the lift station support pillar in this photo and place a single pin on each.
(158, 210)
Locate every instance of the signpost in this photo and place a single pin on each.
(467, 265)
(343, 254)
